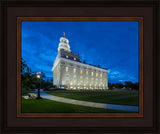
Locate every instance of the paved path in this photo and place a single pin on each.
(89, 104)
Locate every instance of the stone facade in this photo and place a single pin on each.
(68, 70)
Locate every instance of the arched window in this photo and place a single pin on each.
(87, 83)
(74, 82)
(92, 84)
(92, 74)
(67, 82)
(81, 71)
(86, 72)
(81, 83)
(74, 70)
(66, 69)
(101, 85)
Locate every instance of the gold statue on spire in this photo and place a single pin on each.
(63, 34)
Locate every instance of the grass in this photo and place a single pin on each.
(49, 106)
(110, 97)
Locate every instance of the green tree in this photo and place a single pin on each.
(119, 85)
(24, 67)
(26, 76)
(29, 80)
(110, 86)
(129, 84)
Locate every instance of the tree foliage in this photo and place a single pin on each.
(127, 85)
(131, 85)
(29, 80)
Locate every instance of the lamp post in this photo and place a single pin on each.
(38, 74)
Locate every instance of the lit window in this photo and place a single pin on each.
(81, 83)
(87, 78)
(87, 83)
(74, 82)
(96, 74)
(92, 84)
(81, 72)
(92, 74)
(86, 72)
(74, 58)
(74, 76)
(91, 78)
(66, 69)
(66, 82)
(66, 56)
(81, 77)
(74, 71)
(100, 75)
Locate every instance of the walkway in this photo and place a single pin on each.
(89, 104)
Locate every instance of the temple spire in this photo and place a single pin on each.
(64, 43)
(63, 34)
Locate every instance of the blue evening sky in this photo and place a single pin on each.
(111, 44)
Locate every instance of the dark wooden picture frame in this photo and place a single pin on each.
(12, 120)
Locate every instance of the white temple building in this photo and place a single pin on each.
(70, 72)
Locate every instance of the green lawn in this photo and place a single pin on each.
(110, 97)
(49, 106)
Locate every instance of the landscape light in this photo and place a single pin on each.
(38, 75)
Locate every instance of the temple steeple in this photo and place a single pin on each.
(64, 43)
(63, 34)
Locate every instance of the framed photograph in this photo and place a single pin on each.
(90, 90)
(80, 65)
